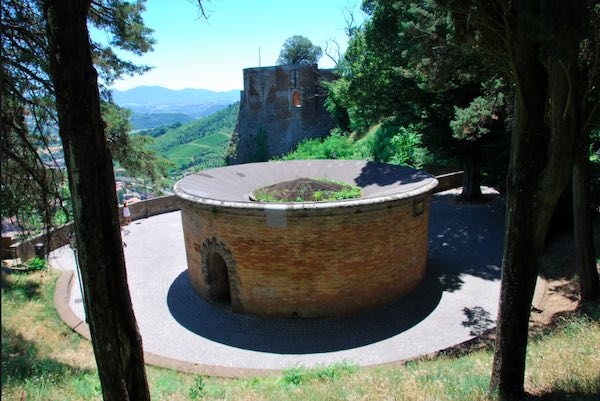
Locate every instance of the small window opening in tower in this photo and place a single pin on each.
(296, 99)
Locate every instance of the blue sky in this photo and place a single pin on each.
(192, 52)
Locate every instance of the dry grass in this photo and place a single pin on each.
(570, 362)
(44, 360)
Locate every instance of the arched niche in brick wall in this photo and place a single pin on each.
(219, 273)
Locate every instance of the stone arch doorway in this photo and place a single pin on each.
(219, 274)
(219, 288)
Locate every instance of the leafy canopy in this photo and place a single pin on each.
(299, 50)
(405, 63)
(30, 146)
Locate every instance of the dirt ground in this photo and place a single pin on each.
(559, 277)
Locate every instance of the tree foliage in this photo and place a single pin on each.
(28, 185)
(32, 179)
(298, 49)
(405, 62)
(132, 152)
(478, 119)
(456, 69)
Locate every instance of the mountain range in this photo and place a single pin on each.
(156, 99)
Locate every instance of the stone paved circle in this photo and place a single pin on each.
(457, 301)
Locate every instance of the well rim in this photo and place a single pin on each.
(427, 183)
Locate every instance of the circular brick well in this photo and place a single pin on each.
(305, 259)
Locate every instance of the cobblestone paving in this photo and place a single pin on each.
(458, 300)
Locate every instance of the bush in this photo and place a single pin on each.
(335, 146)
(198, 389)
(406, 145)
(394, 143)
(389, 142)
(36, 263)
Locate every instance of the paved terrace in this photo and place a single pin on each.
(457, 301)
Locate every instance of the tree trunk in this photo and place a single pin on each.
(541, 163)
(115, 337)
(585, 257)
(471, 191)
(524, 240)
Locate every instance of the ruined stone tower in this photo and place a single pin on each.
(279, 107)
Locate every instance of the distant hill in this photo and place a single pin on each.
(151, 120)
(156, 99)
(198, 143)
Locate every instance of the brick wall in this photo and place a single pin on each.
(311, 263)
(60, 237)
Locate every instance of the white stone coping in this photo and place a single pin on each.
(279, 168)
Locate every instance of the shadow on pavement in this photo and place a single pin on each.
(464, 240)
(300, 336)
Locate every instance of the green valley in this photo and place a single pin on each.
(206, 150)
(198, 144)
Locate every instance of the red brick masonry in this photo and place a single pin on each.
(318, 262)
(305, 259)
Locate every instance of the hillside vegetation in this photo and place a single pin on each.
(395, 142)
(197, 144)
(386, 142)
(151, 120)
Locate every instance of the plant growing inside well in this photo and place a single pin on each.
(307, 190)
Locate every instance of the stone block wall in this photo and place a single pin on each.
(152, 207)
(279, 107)
(59, 237)
(449, 181)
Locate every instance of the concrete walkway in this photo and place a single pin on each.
(457, 301)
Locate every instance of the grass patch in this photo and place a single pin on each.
(570, 363)
(42, 359)
(301, 375)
